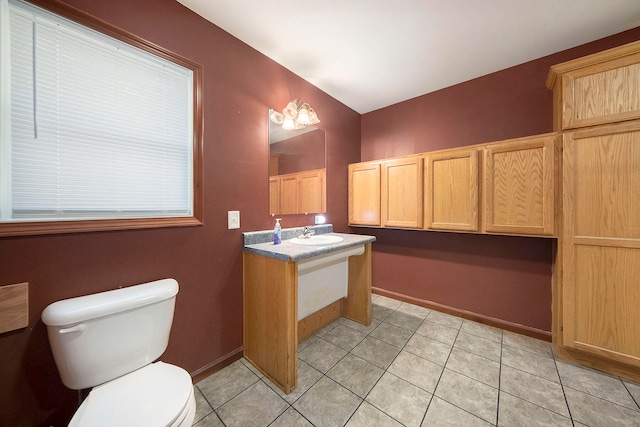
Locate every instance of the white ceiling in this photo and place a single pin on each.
(369, 54)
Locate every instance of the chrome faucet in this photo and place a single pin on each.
(307, 232)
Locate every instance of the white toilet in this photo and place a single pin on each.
(108, 341)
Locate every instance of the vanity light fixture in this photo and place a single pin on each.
(296, 115)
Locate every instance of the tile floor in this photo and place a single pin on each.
(418, 367)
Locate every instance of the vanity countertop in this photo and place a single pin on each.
(287, 251)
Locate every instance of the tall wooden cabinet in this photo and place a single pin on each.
(597, 280)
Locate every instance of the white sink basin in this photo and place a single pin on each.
(318, 240)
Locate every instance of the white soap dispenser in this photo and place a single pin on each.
(277, 233)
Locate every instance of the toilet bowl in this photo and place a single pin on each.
(108, 341)
(158, 394)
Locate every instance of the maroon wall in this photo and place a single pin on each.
(505, 278)
(240, 85)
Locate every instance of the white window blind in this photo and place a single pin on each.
(98, 129)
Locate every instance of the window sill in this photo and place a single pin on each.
(8, 229)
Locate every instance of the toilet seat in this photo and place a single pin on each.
(158, 394)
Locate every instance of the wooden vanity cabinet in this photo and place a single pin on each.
(364, 194)
(451, 190)
(271, 330)
(401, 192)
(519, 186)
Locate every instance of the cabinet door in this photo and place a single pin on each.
(519, 186)
(288, 194)
(311, 193)
(451, 190)
(601, 274)
(602, 93)
(402, 192)
(364, 194)
(274, 195)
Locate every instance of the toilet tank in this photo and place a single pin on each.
(99, 337)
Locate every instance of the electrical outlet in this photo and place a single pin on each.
(233, 219)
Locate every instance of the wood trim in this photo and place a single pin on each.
(593, 59)
(318, 320)
(357, 305)
(217, 365)
(14, 307)
(78, 226)
(609, 366)
(270, 314)
(490, 321)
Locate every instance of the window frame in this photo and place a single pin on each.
(22, 228)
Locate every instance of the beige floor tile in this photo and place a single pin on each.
(482, 331)
(391, 303)
(515, 412)
(202, 406)
(534, 389)
(355, 374)
(473, 396)
(368, 415)
(291, 418)
(474, 366)
(257, 406)
(543, 348)
(416, 370)
(444, 319)
(438, 332)
(227, 383)
(414, 310)
(327, 403)
(377, 352)
(530, 362)
(360, 327)
(399, 399)
(595, 412)
(210, 420)
(391, 334)
(596, 384)
(443, 414)
(344, 337)
(379, 312)
(427, 348)
(322, 355)
(404, 321)
(307, 377)
(478, 346)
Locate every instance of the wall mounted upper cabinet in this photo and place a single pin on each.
(364, 194)
(519, 186)
(401, 188)
(597, 89)
(451, 190)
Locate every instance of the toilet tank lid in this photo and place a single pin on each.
(79, 309)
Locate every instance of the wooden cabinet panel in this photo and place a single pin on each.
(519, 184)
(402, 192)
(311, 192)
(600, 88)
(298, 193)
(601, 241)
(364, 194)
(288, 194)
(451, 190)
(274, 195)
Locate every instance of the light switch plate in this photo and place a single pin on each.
(233, 219)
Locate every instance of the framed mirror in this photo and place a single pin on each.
(297, 170)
